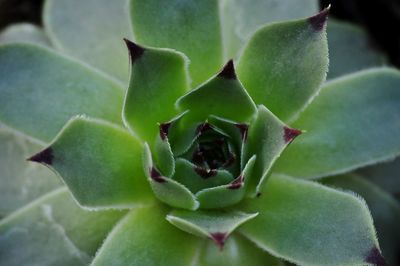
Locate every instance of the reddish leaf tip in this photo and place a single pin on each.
(243, 130)
(45, 157)
(228, 71)
(156, 176)
(164, 129)
(205, 173)
(237, 183)
(375, 257)
(318, 21)
(135, 50)
(219, 239)
(291, 133)
(203, 128)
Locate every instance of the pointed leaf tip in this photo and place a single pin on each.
(375, 257)
(237, 183)
(156, 176)
(291, 133)
(228, 71)
(164, 129)
(45, 156)
(205, 173)
(219, 239)
(319, 20)
(244, 128)
(135, 50)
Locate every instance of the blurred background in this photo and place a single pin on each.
(381, 18)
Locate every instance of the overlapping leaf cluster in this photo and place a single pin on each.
(201, 150)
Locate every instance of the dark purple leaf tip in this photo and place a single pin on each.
(290, 134)
(203, 128)
(244, 128)
(219, 239)
(237, 183)
(45, 156)
(258, 194)
(156, 176)
(228, 71)
(135, 50)
(318, 21)
(164, 128)
(205, 173)
(375, 257)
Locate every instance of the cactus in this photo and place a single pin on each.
(231, 147)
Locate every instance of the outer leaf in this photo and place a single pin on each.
(192, 27)
(229, 194)
(354, 122)
(309, 224)
(91, 30)
(165, 189)
(100, 163)
(53, 230)
(24, 32)
(384, 209)
(267, 138)
(241, 19)
(41, 91)
(21, 182)
(237, 251)
(216, 225)
(144, 237)
(350, 49)
(223, 96)
(284, 64)
(158, 78)
(384, 175)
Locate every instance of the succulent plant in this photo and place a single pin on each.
(198, 170)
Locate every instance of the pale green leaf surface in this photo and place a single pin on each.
(240, 19)
(185, 173)
(158, 78)
(216, 225)
(191, 27)
(92, 31)
(284, 64)
(267, 138)
(384, 209)
(310, 224)
(166, 189)
(237, 251)
(163, 156)
(41, 91)
(100, 163)
(53, 230)
(26, 33)
(223, 95)
(229, 194)
(144, 237)
(385, 175)
(21, 181)
(355, 121)
(350, 49)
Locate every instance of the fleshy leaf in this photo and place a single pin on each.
(223, 96)
(310, 224)
(53, 230)
(158, 78)
(284, 64)
(240, 19)
(91, 30)
(21, 181)
(384, 209)
(165, 189)
(191, 27)
(227, 195)
(163, 155)
(41, 91)
(196, 178)
(267, 138)
(384, 175)
(25, 33)
(237, 251)
(144, 237)
(350, 49)
(216, 225)
(99, 162)
(353, 122)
